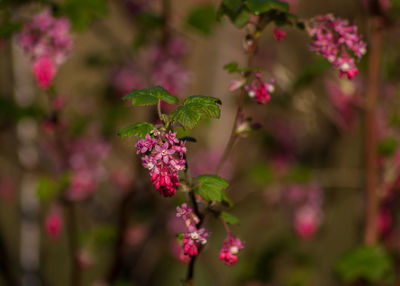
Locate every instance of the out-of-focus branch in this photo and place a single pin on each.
(372, 197)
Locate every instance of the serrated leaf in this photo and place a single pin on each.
(371, 263)
(229, 218)
(139, 129)
(203, 18)
(261, 6)
(193, 108)
(150, 96)
(211, 187)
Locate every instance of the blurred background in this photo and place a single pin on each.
(72, 190)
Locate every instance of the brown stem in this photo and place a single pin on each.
(233, 136)
(372, 203)
(73, 243)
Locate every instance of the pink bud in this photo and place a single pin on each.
(44, 71)
(53, 224)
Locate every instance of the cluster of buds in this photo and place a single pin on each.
(334, 39)
(46, 39)
(230, 249)
(194, 237)
(86, 166)
(261, 90)
(163, 156)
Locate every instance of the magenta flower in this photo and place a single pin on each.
(47, 41)
(279, 35)
(193, 239)
(44, 71)
(164, 159)
(260, 90)
(230, 249)
(334, 39)
(53, 224)
(306, 221)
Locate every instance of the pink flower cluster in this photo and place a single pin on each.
(85, 162)
(126, 78)
(168, 70)
(334, 39)
(164, 158)
(194, 237)
(46, 39)
(230, 248)
(306, 201)
(261, 90)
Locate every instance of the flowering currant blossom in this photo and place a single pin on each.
(230, 248)
(164, 158)
(336, 40)
(44, 71)
(47, 41)
(53, 224)
(194, 237)
(279, 35)
(260, 90)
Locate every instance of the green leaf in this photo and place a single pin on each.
(242, 18)
(258, 7)
(232, 4)
(203, 19)
(193, 108)
(211, 187)
(139, 129)
(388, 146)
(150, 96)
(226, 201)
(46, 189)
(299, 174)
(232, 67)
(229, 218)
(371, 263)
(83, 12)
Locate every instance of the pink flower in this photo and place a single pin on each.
(236, 84)
(230, 249)
(193, 239)
(53, 224)
(306, 221)
(333, 39)
(279, 35)
(44, 71)
(163, 159)
(261, 90)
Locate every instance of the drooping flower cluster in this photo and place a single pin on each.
(164, 158)
(47, 41)
(126, 78)
(194, 237)
(338, 42)
(306, 201)
(261, 90)
(86, 168)
(168, 70)
(230, 249)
